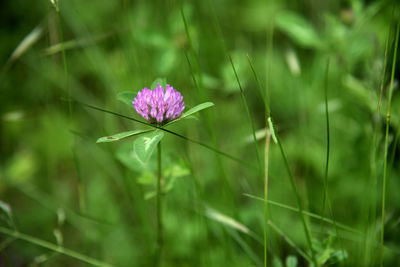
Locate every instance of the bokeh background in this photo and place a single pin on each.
(58, 185)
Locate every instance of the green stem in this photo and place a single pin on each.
(81, 189)
(385, 160)
(293, 185)
(307, 213)
(371, 186)
(242, 162)
(53, 247)
(159, 207)
(277, 140)
(262, 93)
(64, 58)
(246, 106)
(327, 144)
(267, 142)
(289, 241)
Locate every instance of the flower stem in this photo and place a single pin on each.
(159, 208)
(267, 141)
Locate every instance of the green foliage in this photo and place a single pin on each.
(297, 28)
(69, 201)
(327, 254)
(170, 174)
(291, 261)
(119, 136)
(126, 97)
(188, 114)
(161, 81)
(145, 145)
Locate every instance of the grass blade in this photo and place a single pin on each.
(259, 87)
(291, 179)
(371, 192)
(289, 241)
(27, 43)
(297, 196)
(266, 169)
(307, 213)
(226, 220)
(244, 163)
(248, 112)
(385, 159)
(53, 247)
(326, 193)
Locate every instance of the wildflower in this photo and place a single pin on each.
(159, 106)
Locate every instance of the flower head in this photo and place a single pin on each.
(159, 106)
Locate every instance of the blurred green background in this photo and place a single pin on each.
(58, 185)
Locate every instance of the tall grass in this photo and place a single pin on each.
(266, 168)
(199, 175)
(292, 183)
(385, 155)
(328, 148)
(42, 243)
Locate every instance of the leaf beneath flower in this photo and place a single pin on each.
(126, 97)
(192, 111)
(120, 136)
(161, 81)
(145, 145)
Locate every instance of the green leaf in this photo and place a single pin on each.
(291, 261)
(144, 146)
(126, 97)
(6, 213)
(276, 262)
(150, 195)
(128, 157)
(176, 170)
(161, 81)
(325, 256)
(147, 178)
(120, 136)
(192, 111)
(302, 32)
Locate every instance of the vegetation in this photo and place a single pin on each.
(286, 154)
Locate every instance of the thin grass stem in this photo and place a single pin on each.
(246, 106)
(297, 196)
(371, 188)
(327, 143)
(289, 241)
(200, 95)
(242, 162)
(266, 168)
(291, 179)
(196, 60)
(262, 93)
(328, 147)
(53, 247)
(64, 57)
(307, 213)
(385, 156)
